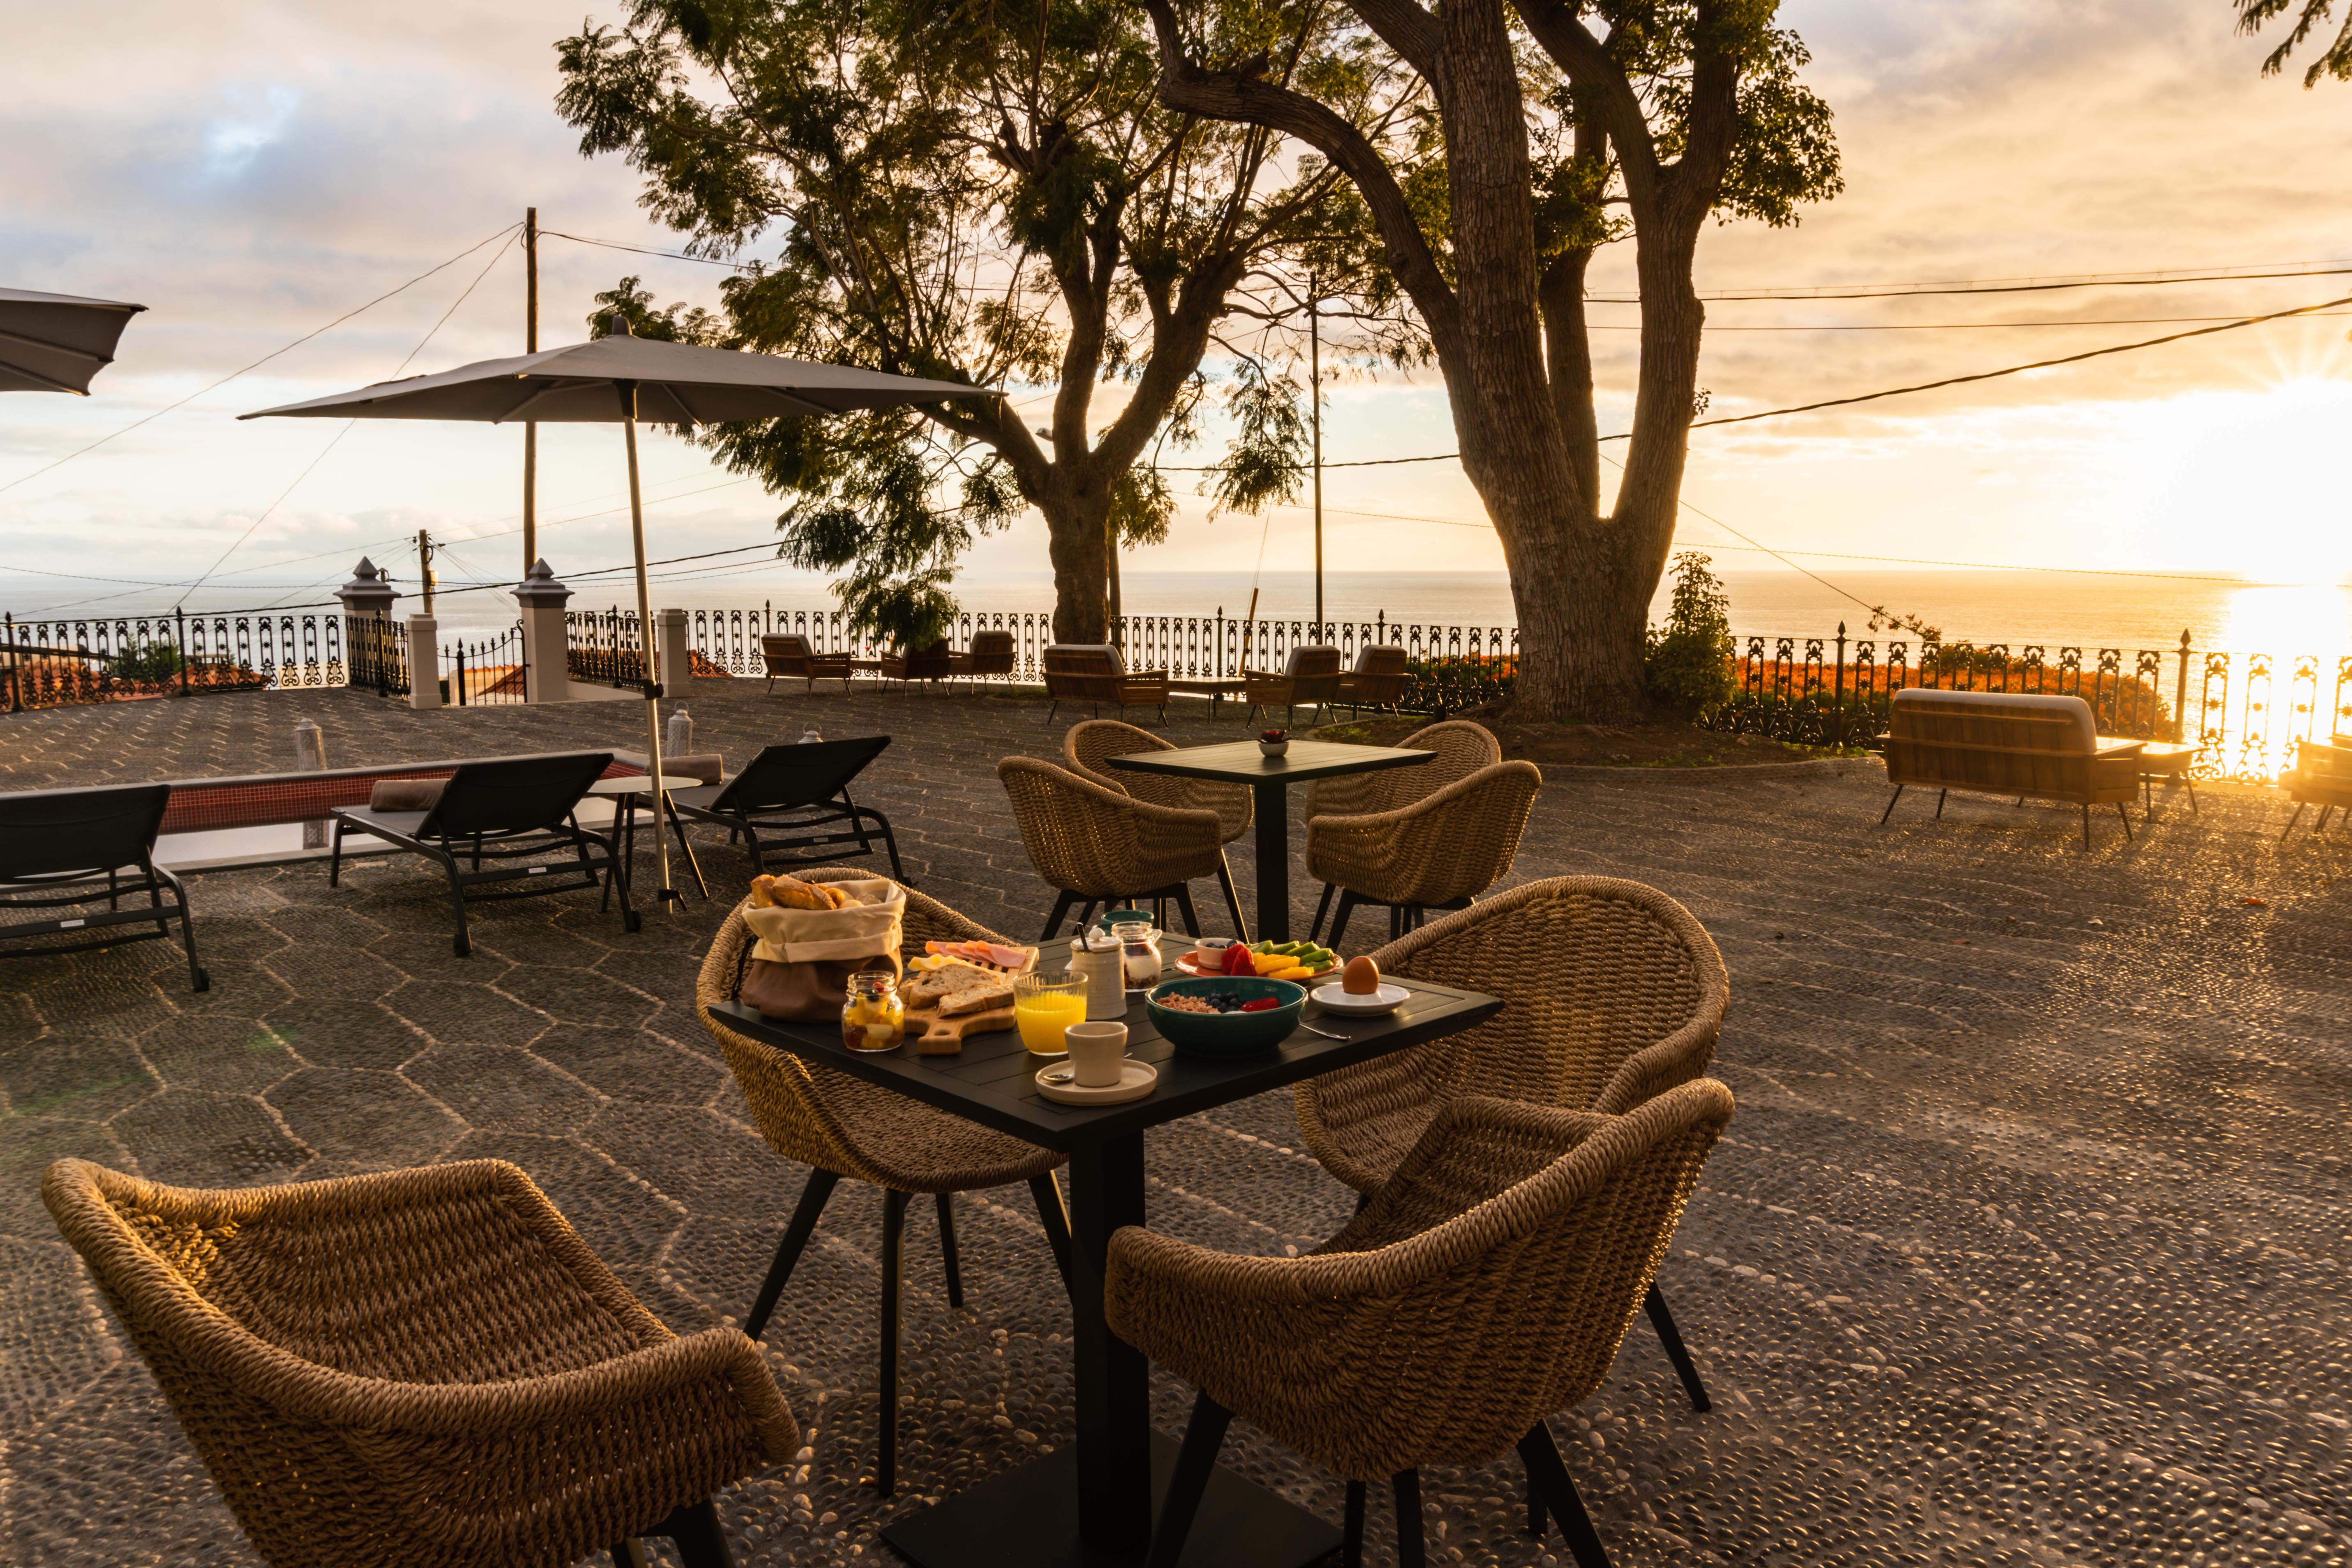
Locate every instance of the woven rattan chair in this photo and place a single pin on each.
(991, 653)
(1487, 1285)
(1089, 745)
(423, 1366)
(1437, 853)
(1097, 673)
(1462, 748)
(789, 656)
(843, 1126)
(1616, 995)
(1096, 842)
(935, 663)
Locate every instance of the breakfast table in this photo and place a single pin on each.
(1243, 763)
(1091, 1503)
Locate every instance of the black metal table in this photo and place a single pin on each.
(1242, 762)
(1090, 1505)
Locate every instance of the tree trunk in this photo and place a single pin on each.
(1077, 534)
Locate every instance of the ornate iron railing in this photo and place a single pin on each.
(50, 662)
(487, 669)
(379, 654)
(604, 648)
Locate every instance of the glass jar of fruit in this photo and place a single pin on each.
(873, 1016)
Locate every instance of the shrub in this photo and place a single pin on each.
(150, 662)
(1688, 662)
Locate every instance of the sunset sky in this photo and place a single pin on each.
(253, 172)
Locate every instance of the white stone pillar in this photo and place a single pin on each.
(424, 662)
(541, 599)
(673, 668)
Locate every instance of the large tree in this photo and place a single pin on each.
(979, 193)
(1496, 145)
(2335, 57)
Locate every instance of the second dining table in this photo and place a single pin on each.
(1091, 1504)
(1268, 779)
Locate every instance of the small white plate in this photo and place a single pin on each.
(1335, 999)
(1136, 1079)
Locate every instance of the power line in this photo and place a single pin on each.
(256, 364)
(641, 250)
(1914, 290)
(1948, 326)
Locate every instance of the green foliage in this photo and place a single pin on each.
(2335, 59)
(1263, 464)
(150, 663)
(1688, 662)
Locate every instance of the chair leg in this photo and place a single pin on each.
(465, 947)
(2292, 820)
(1549, 1477)
(1054, 922)
(894, 1282)
(889, 842)
(788, 1251)
(751, 845)
(1055, 1217)
(1351, 1545)
(948, 1248)
(1322, 908)
(335, 855)
(700, 1544)
(1939, 803)
(1185, 906)
(2191, 785)
(2319, 825)
(1890, 803)
(1348, 903)
(1411, 1551)
(1671, 1337)
(2127, 817)
(629, 1553)
(1232, 898)
(1195, 1462)
(199, 978)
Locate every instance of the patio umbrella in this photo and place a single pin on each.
(55, 343)
(620, 380)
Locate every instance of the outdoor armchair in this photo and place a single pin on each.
(1437, 853)
(1487, 1284)
(1462, 748)
(1378, 680)
(991, 653)
(513, 813)
(2322, 776)
(839, 1126)
(789, 656)
(421, 1366)
(1311, 675)
(1615, 994)
(55, 847)
(1090, 744)
(934, 663)
(1095, 673)
(1096, 843)
(799, 796)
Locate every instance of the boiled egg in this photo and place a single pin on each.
(1361, 978)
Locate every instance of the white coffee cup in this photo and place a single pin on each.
(1096, 1051)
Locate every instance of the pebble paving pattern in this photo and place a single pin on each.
(2028, 1245)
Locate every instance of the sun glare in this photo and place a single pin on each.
(2250, 482)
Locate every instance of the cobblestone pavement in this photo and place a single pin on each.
(2027, 1246)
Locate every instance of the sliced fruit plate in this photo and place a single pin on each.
(1292, 961)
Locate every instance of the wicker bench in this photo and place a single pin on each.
(1997, 743)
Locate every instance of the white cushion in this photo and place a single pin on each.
(1118, 665)
(2086, 730)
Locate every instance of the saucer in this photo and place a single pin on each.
(1335, 999)
(1136, 1079)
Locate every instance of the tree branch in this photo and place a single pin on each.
(1600, 81)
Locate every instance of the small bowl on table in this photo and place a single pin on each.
(1227, 1035)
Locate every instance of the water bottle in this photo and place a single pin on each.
(809, 737)
(678, 739)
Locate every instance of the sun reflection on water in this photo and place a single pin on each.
(2305, 631)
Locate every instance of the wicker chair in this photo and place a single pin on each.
(1436, 854)
(935, 663)
(1312, 674)
(1096, 842)
(789, 656)
(1090, 744)
(1462, 748)
(1487, 1284)
(421, 1366)
(1379, 680)
(843, 1126)
(1095, 673)
(1616, 995)
(992, 653)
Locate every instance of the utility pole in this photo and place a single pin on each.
(1315, 393)
(530, 429)
(424, 568)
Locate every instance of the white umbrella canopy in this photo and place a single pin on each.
(55, 343)
(620, 380)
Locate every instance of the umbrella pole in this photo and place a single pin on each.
(666, 895)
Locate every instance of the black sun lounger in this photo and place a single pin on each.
(796, 792)
(55, 847)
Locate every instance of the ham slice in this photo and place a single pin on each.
(987, 952)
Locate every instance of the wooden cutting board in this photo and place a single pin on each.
(945, 1036)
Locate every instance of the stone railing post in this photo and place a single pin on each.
(542, 599)
(424, 662)
(674, 667)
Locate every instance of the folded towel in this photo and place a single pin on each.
(711, 767)
(405, 795)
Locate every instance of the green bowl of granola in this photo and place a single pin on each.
(1225, 1030)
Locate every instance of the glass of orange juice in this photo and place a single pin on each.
(1045, 1005)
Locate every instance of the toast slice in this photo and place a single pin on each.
(934, 985)
(984, 995)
